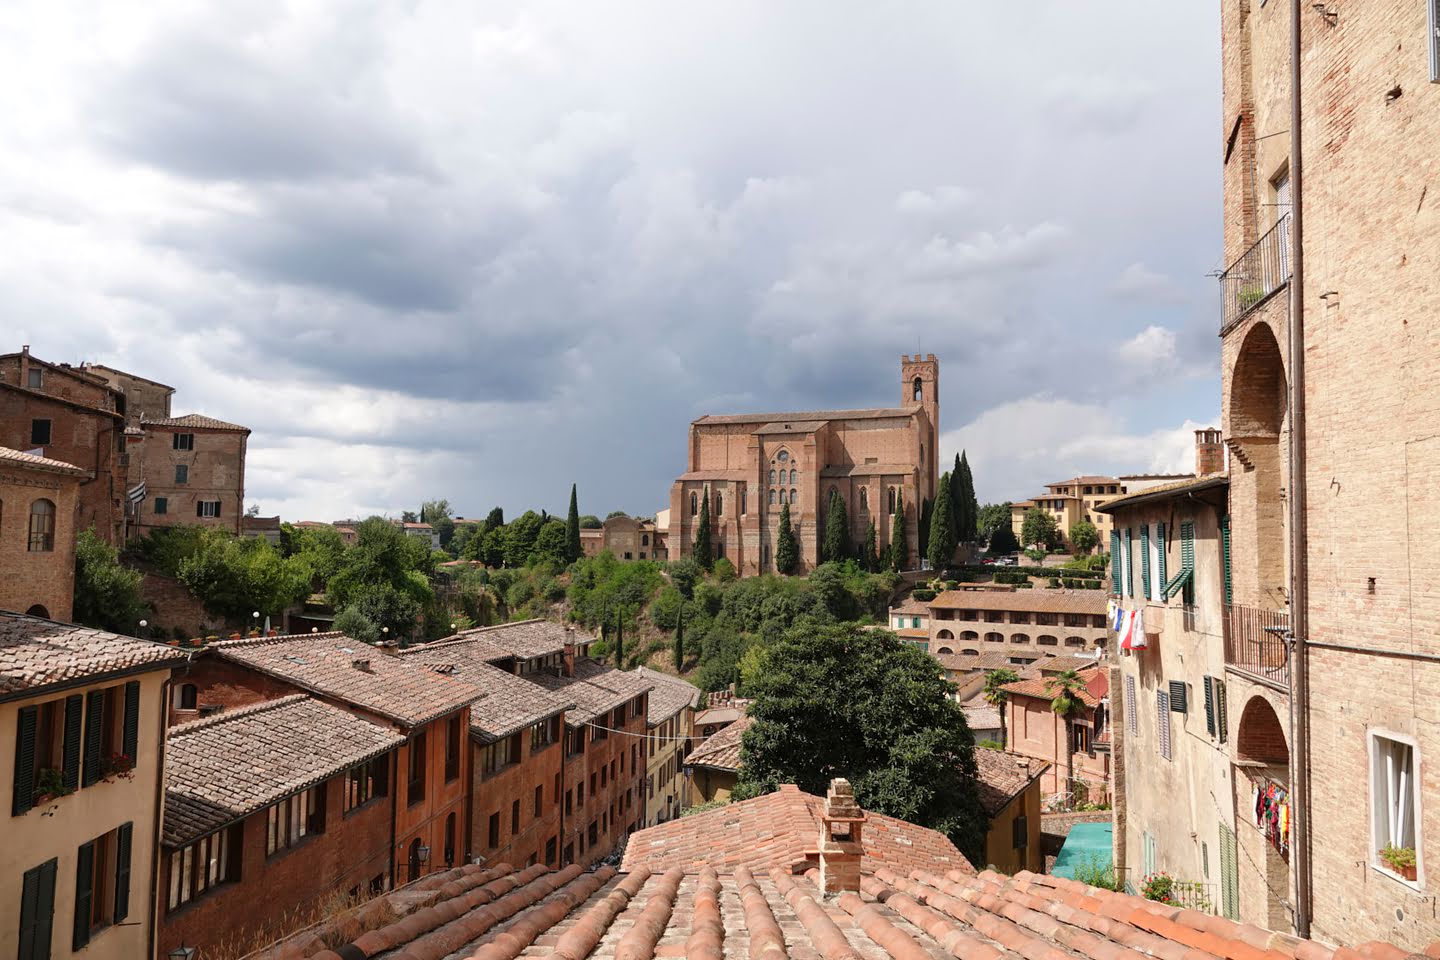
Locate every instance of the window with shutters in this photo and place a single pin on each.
(1020, 833)
(1225, 550)
(37, 911)
(1162, 722)
(1130, 719)
(162, 506)
(198, 868)
(454, 742)
(1216, 721)
(293, 819)
(182, 473)
(1229, 875)
(207, 508)
(1145, 561)
(73, 742)
(1394, 798)
(1114, 562)
(1184, 581)
(1127, 586)
(102, 884)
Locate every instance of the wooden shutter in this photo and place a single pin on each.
(1130, 718)
(24, 797)
(1179, 697)
(84, 871)
(1210, 705)
(130, 733)
(1162, 710)
(1160, 561)
(1225, 546)
(37, 911)
(1019, 833)
(1114, 562)
(1229, 875)
(199, 508)
(1145, 559)
(1222, 719)
(94, 717)
(1129, 563)
(1187, 558)
(74, 720)
(122, 870)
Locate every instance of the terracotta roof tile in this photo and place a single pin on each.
(1040, 687)
(525, 639)
(510, 703)
(194, 420)
(1002, 778)
(36, 654)
(881, 413)
(721, 751)
(329, 664)
(18, 458)
(911, 607)
(223, 768)
(671, 695)
(596, 688)
(1164, 490)
(1033, 601)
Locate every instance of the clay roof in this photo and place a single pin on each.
(721, 713)
(1040, 687)
(911, 607)
(671, 695)
(524, 639)
(911, 633)
(596, 688)
(1001, 778)
(1091, 479)
(409, 525)
(721, 751)
(777, 830)
(988, 659)
(1031, 601)
(868, 470)
(194, 420)
(981, 716)
(36, 654)
(223, 768)
(393, 687)
(875, 414)
(1164, 491)
(789, 426)
(1059, 664)
(510, 703)
(15, 458)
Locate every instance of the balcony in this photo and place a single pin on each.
(1254, 644)
(1256, 275)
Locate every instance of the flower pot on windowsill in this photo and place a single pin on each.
(1400, 860)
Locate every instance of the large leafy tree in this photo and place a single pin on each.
(572, 529)
(702, 532)
(869, 561)
(551, 546)
(837, 529)
(992, 517)
(437, 514)
(520, 536)
(841, 701)
(235, 577)
(966, 507)
(941, 549)
(787, 551)
(107, 593)
(1083, 536)
(1038, 528)
(899, 545)
(386, 574)
(995, 694)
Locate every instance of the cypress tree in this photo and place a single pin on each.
(702, 532)
(868, 559)
(572, 529)
(620, 640)
(941, 549)
(967, 527)
(787, 551)
(899, 548)
(680, 639)
(837, 529)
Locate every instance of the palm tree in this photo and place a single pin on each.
(996, 696)
(1065, 690)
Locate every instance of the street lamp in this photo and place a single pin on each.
(181, 953)
(143, 625)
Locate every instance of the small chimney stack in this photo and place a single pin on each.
(567, 654)
(1209, 452)
(840, 840)
(362, 664)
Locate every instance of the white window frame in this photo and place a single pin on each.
(1416, 798)
(1127, 587)
(1155, 588)
(1434, 6)
(207, 511)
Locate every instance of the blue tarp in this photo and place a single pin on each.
(1092, 842)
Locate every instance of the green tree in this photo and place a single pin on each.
(392, 610)
(869, 561)
(992, 517)
(899, 546)
(355, 625)
(967, 508)
(321, 550)
(588, 521)
(437, 514)
(1083, 536)
(680, 640)
(495, 518)
(107, 593)
(572, 529)
(702, 532)
(520, 536)
(837, 529)
(843, 701)
(996, 696)
(383, 556)
(1038, 528)
(409, 516)
(616, 513)
(927, 513)
(1066, 702)
(1003, 540)
(942, 534)
(551, 546)
(234, 577)
(620, 639)
(685, 573)
(787, 551)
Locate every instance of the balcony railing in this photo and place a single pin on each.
(1259, 272)
(1254, 643)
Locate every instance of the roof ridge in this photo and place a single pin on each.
(250, 710)
(237, 642)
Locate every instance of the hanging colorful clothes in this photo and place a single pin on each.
(1272, 814)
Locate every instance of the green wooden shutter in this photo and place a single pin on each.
(130, 733)
(1115, 562)
(24, 797)
(1225, 557)
(122, 870)
(84, 868)
(1129, 562)
(1229, 875)
(37, 911)
(94, 717)
(74, 719)
(1145, 559)
(1160, 561)
(1187, 557)
(1210, 705)
(1222, 718)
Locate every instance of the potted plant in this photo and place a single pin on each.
(1400, 859)
(1159, 887)
(49, 785)
(119, 765)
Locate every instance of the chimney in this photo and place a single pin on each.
(362, 664)
(1209, 452)
(567, 655)
(840, 847)
(1024, 764)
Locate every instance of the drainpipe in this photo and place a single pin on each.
(1299, 595)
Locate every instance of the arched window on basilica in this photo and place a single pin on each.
(793, 475)
(916, 390)
(892, 500)
(719, 504)
(772, 474)
(782, 498)
(694, 504)
(794, 497)
(864, 500)
(772, 496)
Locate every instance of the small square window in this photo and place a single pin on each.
(184, 441)
(207, 508)
(182, 473)
(162, 506)
(35, 378)
(40, 432)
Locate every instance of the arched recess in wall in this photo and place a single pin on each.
(944, 635)
(1261, 738)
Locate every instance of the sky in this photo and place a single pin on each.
(482, 251)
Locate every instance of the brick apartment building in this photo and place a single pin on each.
(39, 504)
(968, 622)
(270, 811)
(82, 721)
(627, 538)
(752, 465)
(74, 417)
(429, 709)
(1077, 747)
(192, 469)
(670, 725)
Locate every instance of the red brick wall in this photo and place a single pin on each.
(216, 472)
(497, 793)
(173, 605)
(610, 798)
(30, 579)
(426, 820)
(278, 894)
(230, 686)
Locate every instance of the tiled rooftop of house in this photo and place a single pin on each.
(1095, 686)
(1003, 776)
(526, 639)
(511, 703)
(193, 420)
(36, 654)
(11, 457)
(981, 715)
(223, 768)
(725, 712)
(988, 660)
(334, 665)
(1161, 491)
(671, 695)
(595, 688)
(910, 607)
(721, 751)
(1034, 601)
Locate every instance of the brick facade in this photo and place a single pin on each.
(37, 581)
(511, 795)
(612, 772)
(193, 473)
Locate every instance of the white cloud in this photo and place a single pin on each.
(1138, 282)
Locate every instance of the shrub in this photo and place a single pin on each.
(1094, 872)
(923, 594)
